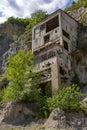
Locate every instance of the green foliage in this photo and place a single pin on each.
(67, 99)
(1, 96)
(28, 38)
(75, 79)
(43, 107)
(28, 23)
(48, 90)
(18, 21)
(36, 17)
(42, 102)
(15, 38)
(75, 5)
(78, 4)
(82, 46)
(41, 127)
(14, 129)
(39, 14)
(23, 82)
(84, 18)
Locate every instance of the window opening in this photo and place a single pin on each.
(66, 34)
(51, 24)
(62, 71)
(65, 45)
(46, 38)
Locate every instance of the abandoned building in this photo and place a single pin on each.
(53, 41)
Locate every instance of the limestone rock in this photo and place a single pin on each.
(56, 120)
(59, 120)
(17, 113)
(84, 104)
(7, 32)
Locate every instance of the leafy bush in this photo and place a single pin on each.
(43, 107)
(67, 99)
(27, 94)
(42, 102)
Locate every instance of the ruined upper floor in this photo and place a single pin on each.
(59, 28)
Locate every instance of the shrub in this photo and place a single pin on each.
(67, 99)
(43, 107)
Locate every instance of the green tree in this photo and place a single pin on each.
(36, 17)
(18, 21)
(23, 82)
(78, 4)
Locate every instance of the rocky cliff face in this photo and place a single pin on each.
(7, 33)
(79, 14)
(79, 56)
(79, 68)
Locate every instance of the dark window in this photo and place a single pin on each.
(55, 31)
(65, 45)
(53, 23)
(46, 39)
(51, 54)
(42, 27)
(46, 89)
(66, 27)
(62, 71)
(66, 34)
(44, 57)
